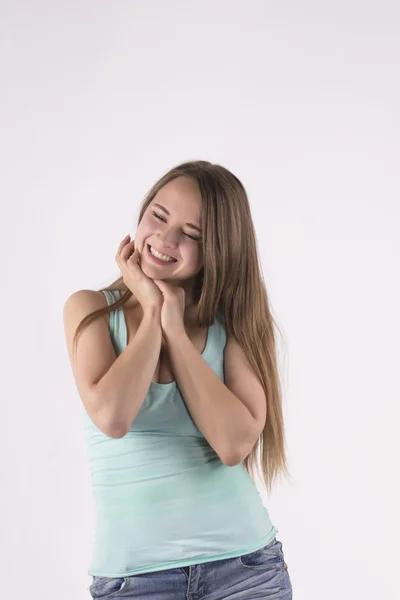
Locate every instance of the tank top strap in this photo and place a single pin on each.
(109, 295)
(117, 322)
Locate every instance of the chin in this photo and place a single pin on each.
(146, 270)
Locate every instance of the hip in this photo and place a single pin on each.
(261, 574)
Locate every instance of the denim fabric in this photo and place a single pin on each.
(260, 575)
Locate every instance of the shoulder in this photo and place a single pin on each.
(83, 302)
(87, 297)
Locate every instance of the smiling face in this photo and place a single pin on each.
(172, 226)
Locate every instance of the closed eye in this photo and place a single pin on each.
(162, 219)
(158, 216)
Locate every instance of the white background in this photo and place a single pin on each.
(301, 101)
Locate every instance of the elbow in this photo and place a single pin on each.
(112, 429)
(231, 459)
(235, 456)
(117, 430)
(117, 433)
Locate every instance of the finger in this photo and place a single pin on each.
(162, 286)
(123, 260)
(122, 245)
(124, 241)
(133, 260)
(127, 250)
(133, 256)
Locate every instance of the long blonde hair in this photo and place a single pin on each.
(230, 281)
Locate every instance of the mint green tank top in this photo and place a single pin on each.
(163, 497)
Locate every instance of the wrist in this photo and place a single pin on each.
(152, 312)
(176, 335)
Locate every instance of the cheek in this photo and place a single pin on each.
(142, 235)
(194, 255)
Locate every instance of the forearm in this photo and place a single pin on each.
(122, 390)
(222, 418)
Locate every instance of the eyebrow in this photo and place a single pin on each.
(167, 212)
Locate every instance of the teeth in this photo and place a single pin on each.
(163, 257)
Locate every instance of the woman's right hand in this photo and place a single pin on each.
(142, 287)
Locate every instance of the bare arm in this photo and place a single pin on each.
(112, 389)
(122, 390)
(230, 415)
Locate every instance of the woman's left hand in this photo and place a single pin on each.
(172, 310)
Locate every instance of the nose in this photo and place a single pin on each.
(168, 239)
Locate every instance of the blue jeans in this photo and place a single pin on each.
(260, 575)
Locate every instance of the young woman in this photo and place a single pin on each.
(176, 366)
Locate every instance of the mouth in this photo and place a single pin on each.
(158, 261)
